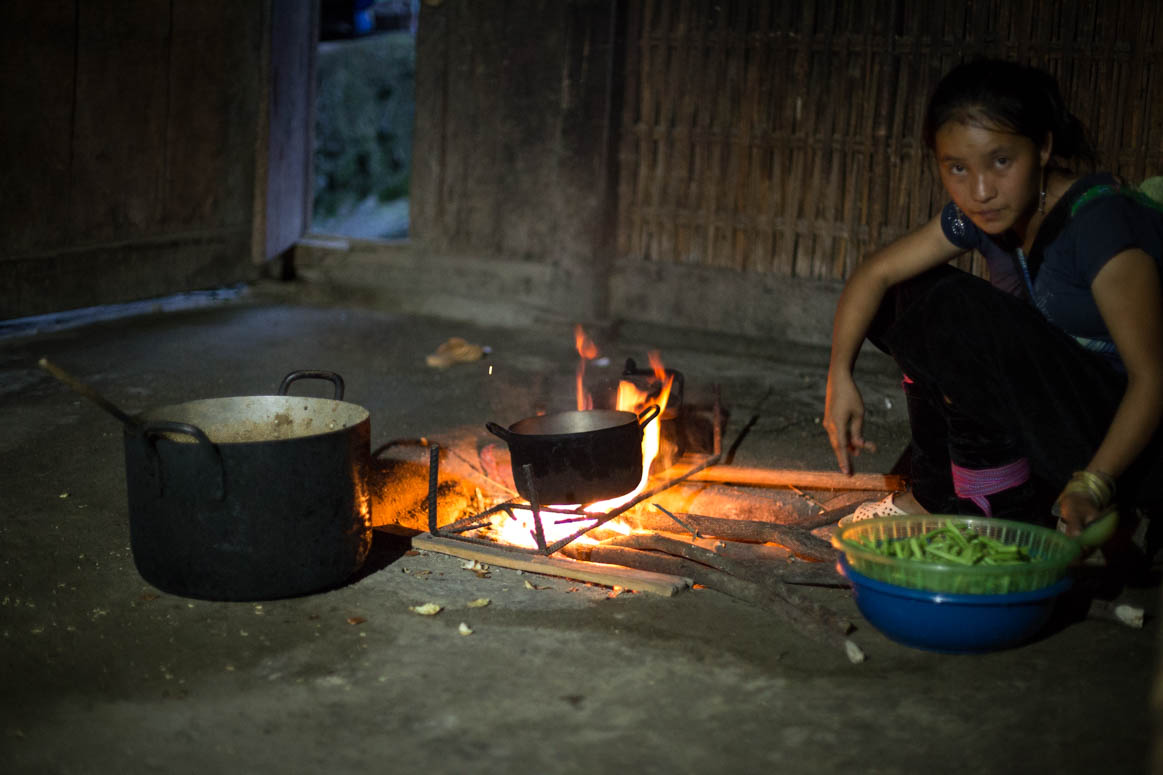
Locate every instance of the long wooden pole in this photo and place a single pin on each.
(809, 480)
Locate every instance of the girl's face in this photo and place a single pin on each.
(994, 176)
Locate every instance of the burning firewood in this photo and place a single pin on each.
(798, 540)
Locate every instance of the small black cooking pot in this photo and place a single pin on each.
(250, 498)
(577, 457)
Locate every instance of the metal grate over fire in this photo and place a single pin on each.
(586, 455)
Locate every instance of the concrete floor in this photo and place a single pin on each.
(103, 673)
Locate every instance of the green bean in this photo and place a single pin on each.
(993, 543)
(956, 534)
(944, 555)
(950, 544)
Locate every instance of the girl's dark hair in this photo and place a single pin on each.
(1015, 97)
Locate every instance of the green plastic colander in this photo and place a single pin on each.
(1051, 553)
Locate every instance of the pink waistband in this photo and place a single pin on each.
(975, 483)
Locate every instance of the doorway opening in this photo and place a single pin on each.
(364, 110)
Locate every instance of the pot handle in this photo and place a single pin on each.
(330, 376)
(648, 414)
(153, 429)
(497, 430)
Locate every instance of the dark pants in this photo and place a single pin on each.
(993, 381)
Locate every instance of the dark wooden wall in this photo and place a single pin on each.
(734, 146)
(724, 164)
(512, 153)
(128, 138)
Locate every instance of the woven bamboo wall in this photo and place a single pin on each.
(784, 137)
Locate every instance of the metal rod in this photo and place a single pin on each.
(433, 482)
(456, 529)
(694, 533)
(586, 518)
(535, 507)
(806, 497)
(475, 525)
(459, 525)
(557, 509)
(631, 504)
(717, 423)
(712, 460)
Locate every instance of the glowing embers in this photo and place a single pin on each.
(529, 525)
(539, 529)
(522, 526)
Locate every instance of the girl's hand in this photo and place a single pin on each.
(844, 419)
(908, 256)
(1076, 510)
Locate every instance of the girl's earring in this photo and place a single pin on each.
(1042, 195)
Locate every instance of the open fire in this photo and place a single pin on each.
(519, 528)
(753, 549)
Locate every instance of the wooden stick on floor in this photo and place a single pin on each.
(796, 539)
(608, 575)
(758, 568)
(808, 480)
(814, 622)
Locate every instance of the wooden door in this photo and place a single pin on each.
(133, 146)
(294, 33)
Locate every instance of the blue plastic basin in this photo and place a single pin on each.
(937, 621)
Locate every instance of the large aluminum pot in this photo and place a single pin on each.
(250, 498)
(576, 457)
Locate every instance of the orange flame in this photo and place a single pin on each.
(659, 371)
(519, 529)
(631, 398)
(587, 351)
